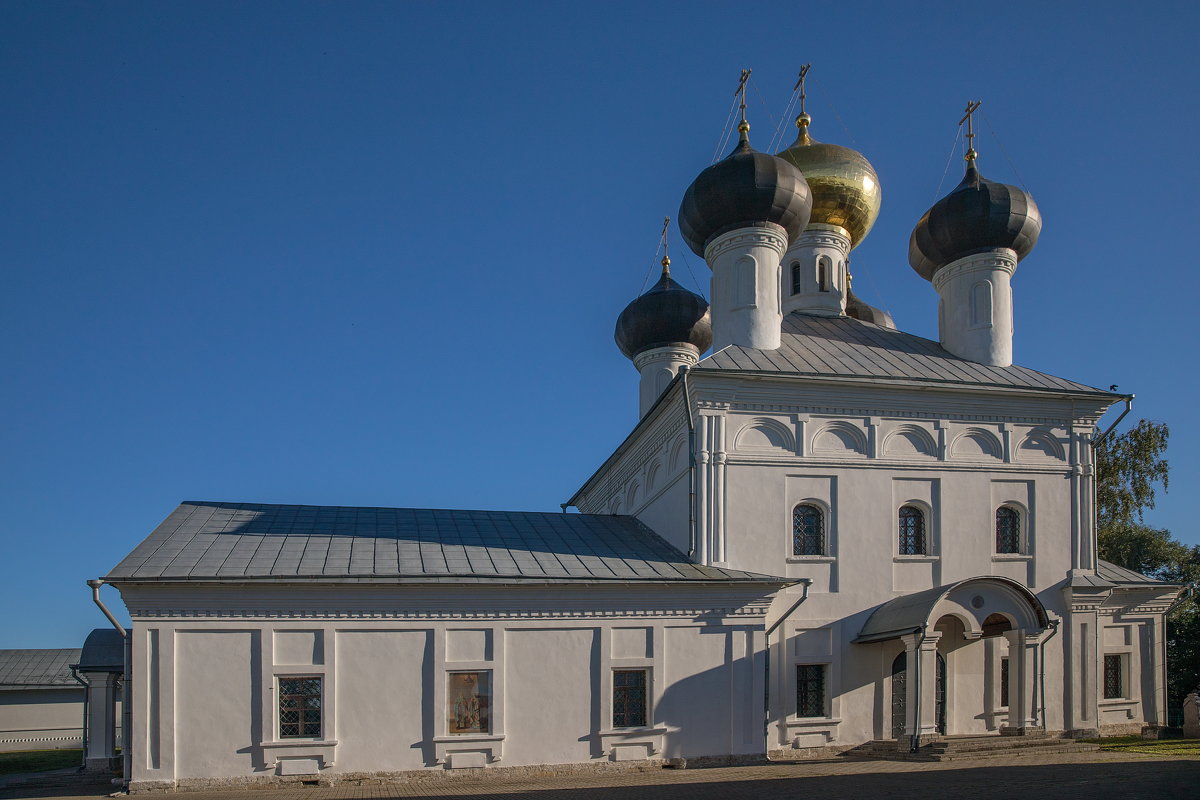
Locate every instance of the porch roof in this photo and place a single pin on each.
(911, 612)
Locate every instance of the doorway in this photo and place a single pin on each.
(900, 694)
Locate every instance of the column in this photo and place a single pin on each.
(101, 720)
(1022, 678)
(928, 688)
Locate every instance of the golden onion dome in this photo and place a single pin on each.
(845, 188)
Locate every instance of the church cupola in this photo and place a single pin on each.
(968, 245)
(740, 215)
(845, 203)
(663, 331)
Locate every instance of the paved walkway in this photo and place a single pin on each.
(1095, 776)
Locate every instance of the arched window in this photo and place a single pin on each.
(912, 531)
(823, 274)
(1008, 530)
(797, 278)
(808, 530)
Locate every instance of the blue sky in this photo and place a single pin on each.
(372, 253)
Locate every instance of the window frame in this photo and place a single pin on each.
(616, 691)
(279, 708)
(1119, 661)
(820, 673)
(921, 514)
(1020, 526)
(822, 549)
(490, 705)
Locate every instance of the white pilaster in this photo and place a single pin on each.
(928, 686)
(814, 275)
(975, 320)
(101, 720)
(746, 308)
(1022, 649)
(658, 367)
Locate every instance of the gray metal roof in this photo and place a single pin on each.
(849, 348)
(103, 651)
(35, 669)
(1120, 575)
(240, 541)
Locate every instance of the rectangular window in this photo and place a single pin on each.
(299, 707)
(810, 690)
(469, 702)
(1004, 682)
(1114, 680)
(629, 698)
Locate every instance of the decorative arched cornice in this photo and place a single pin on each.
(968, 600)
(1040, 446)
(921, 440)
(776, 433)
(852, 439)
(988, 444)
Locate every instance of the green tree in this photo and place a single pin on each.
(1129, 467)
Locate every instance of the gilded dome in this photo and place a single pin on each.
(845, 188)
(666, 314)
(746, 189)
(977, 215)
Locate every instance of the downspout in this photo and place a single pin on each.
(1128, 405)
(86, 700)
(1041, 657)
(687, 405)
(915, 743)
(126, 699)
(806, 583)
(96, 584)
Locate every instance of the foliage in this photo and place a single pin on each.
(39, 760)
(1158, 747)
(1128, 468)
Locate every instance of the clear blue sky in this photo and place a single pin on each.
(372, 253)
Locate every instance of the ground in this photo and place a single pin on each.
(1098, 776)
(38, 760)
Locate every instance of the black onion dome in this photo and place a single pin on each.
(746, 189)
(666, 314)
(978, 215)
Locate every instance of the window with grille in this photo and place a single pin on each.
(808, 531)
(629, 698)
(912, 531)
(299, 707)
(1004, 682)
(810, 690)
(797, 279)
(1114, 681)
(1008, 530)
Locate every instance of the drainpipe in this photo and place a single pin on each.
(806, 583)
(1041, 674)
(687, 404)
(1128, 405)
(915, 742)
(96, 584)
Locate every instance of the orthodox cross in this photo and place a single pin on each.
(741, 91)
(800, 84)
(969, 118)
(666, 259)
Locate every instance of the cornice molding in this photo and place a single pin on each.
(772, 238)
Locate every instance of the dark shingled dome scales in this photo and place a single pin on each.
(666, 314)
(978, 215)
(746, 189)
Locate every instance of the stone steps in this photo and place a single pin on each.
(971, 747)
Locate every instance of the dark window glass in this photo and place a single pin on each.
(810, 690)
(797, 279)
(1008, 530)
(1113, 680)
(1004, 682)
(299, 707)
(823, 275)
(912, 531)
(808, 531)
(629, 698)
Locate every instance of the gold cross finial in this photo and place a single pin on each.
(666, 259)
(969, 118)
(743, 126)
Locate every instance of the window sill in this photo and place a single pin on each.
(1120, 702)
(1011, 557)
(469, 737)
(811, 559)
(812, 722)
(299, 743)
(925, 559)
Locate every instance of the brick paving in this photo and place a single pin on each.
(1096, 776)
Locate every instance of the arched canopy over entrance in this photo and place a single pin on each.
(972, 601)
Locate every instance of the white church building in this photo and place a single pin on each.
(824, 535)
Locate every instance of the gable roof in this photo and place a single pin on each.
(850, 348)
(37, 669)
(258, 541)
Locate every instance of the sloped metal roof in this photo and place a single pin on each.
(850, 348)
(256, 541)
(103, 651)
(911, 612)
(34, 669)
(1120, 575)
